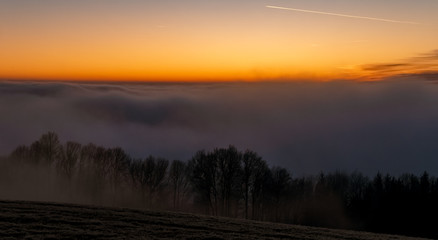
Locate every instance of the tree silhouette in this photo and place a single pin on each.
(141, 173)
(50, 147)
(158, 176)
(203, 178)
(251, 164)
(178, 178)
(280, 180)
(87, 156)
(117, 163)
(21, 153)
(36, 152)
(227, 182)
(148, 175)
(68, 158)
(229, 171)
(260, 189)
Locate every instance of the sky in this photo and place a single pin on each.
(202, 40)
(316, 104)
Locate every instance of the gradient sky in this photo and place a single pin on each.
(215, 40)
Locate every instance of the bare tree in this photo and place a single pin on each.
(100, 166)
(216, 178)
(280, 182)
(158, 176)
(97, 171)
(251, 162)
(69, 156)
(117, 162)
(87, 155)
(229, 169)
(148, 175)
(178, 178)
(35, 152)
(21, 154)
(85, 168)
(259, 188)
(204, 180)
(50, 147)
(138, 176)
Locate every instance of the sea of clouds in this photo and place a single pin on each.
(307, 127)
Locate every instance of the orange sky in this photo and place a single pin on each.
(197, 40)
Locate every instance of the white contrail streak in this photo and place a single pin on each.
(342, 15)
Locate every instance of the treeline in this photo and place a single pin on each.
(232, 183)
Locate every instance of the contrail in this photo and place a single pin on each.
(342, 15)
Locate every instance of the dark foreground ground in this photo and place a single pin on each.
(35, 220)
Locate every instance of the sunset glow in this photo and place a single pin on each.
(213, 41)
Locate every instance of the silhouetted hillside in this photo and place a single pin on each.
(32, 220)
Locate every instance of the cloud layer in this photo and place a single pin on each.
(423, 66)
(306, 127)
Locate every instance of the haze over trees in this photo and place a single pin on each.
(221, 182)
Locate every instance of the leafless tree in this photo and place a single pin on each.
(229, 171)
(260, 188)
(148, 175)
(50, 147)
(204, 180)
(21, 154)
(35, 154)
(178, 178)
(69, 156)
(251, 163)
(117, 163)
(279, 184)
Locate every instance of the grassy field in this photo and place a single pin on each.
(37, 220)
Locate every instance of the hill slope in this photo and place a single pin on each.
(36, 220)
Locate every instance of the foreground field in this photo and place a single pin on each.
(34, 220)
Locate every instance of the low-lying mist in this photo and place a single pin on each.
(306, 127)
(222, 182)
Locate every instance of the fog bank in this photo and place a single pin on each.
(303, 126)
